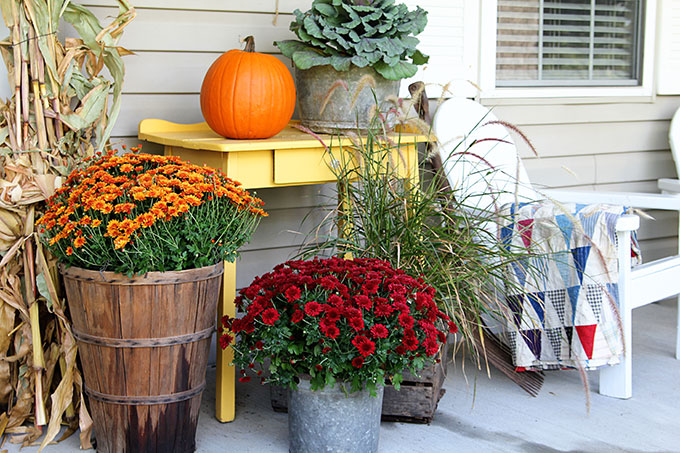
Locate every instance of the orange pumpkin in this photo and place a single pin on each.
(247, 95)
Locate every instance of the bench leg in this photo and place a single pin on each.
(225, 397)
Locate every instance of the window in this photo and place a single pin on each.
(569, 43)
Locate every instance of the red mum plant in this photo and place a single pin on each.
(358, 321)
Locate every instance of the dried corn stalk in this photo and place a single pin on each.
(59, 113)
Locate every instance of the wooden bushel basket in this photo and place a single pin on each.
(144, 344)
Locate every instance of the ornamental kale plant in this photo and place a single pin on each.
(358, 321)
(341, 33)
(139, 212)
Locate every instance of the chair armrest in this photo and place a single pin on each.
(628, 222)
(669, 186)
(669, 202)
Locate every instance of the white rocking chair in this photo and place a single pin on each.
(638, 286)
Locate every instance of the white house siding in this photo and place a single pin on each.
(607, 144)
(602, 144)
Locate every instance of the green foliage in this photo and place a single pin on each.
(425, 229)
(341, 33)
(355, 321)
(139, 213)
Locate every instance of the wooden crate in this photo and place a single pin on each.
(415, 402)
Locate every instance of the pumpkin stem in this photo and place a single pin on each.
(250, 44)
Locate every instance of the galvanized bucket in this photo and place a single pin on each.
(331, 420)
(331, 101)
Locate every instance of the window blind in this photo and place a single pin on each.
(568, 42)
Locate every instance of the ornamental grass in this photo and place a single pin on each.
(139, 212)
(422, 227)
(357, 321)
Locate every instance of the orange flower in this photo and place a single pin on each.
(121, 242)
(192, 200)
(98, 204)
(146, 220)
(107, 208)
(113, 228)
(69, 251)
(173, 211)
(124, 207)
(157, 188)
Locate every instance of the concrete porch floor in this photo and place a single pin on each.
(494, 415)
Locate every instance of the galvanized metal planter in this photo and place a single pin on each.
(415, 402)
(333, 420)
(326, 106)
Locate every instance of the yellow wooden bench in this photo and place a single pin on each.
(290, 158)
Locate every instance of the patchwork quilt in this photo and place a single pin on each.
(563, 305)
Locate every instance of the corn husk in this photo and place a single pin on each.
(63, 109)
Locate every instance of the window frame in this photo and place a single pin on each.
(487, 64)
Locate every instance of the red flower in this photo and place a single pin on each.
(335, 300)
(356, 323)
(427, 326)
(357, 362)
(351, 312)
(313, 308)
(244, 379)
(431, 346)
(383, 309)
(396, 288)
(379, 331)
(269, 316)
(363, 301)
(399, 298)
(318, 367)
(297, 316)
(327, 283)
(405, 320)
(453, 328)
(365, 346)
(331, 331)
(293, 293)
(325, 350)
(402, 307)
(410, 342)
(333, 314)
(422, 301)
(371, 286)
(225, 340)
(259, 345)
(251, 291)
(401, 350)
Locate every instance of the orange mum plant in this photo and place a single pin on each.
(139, 212)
